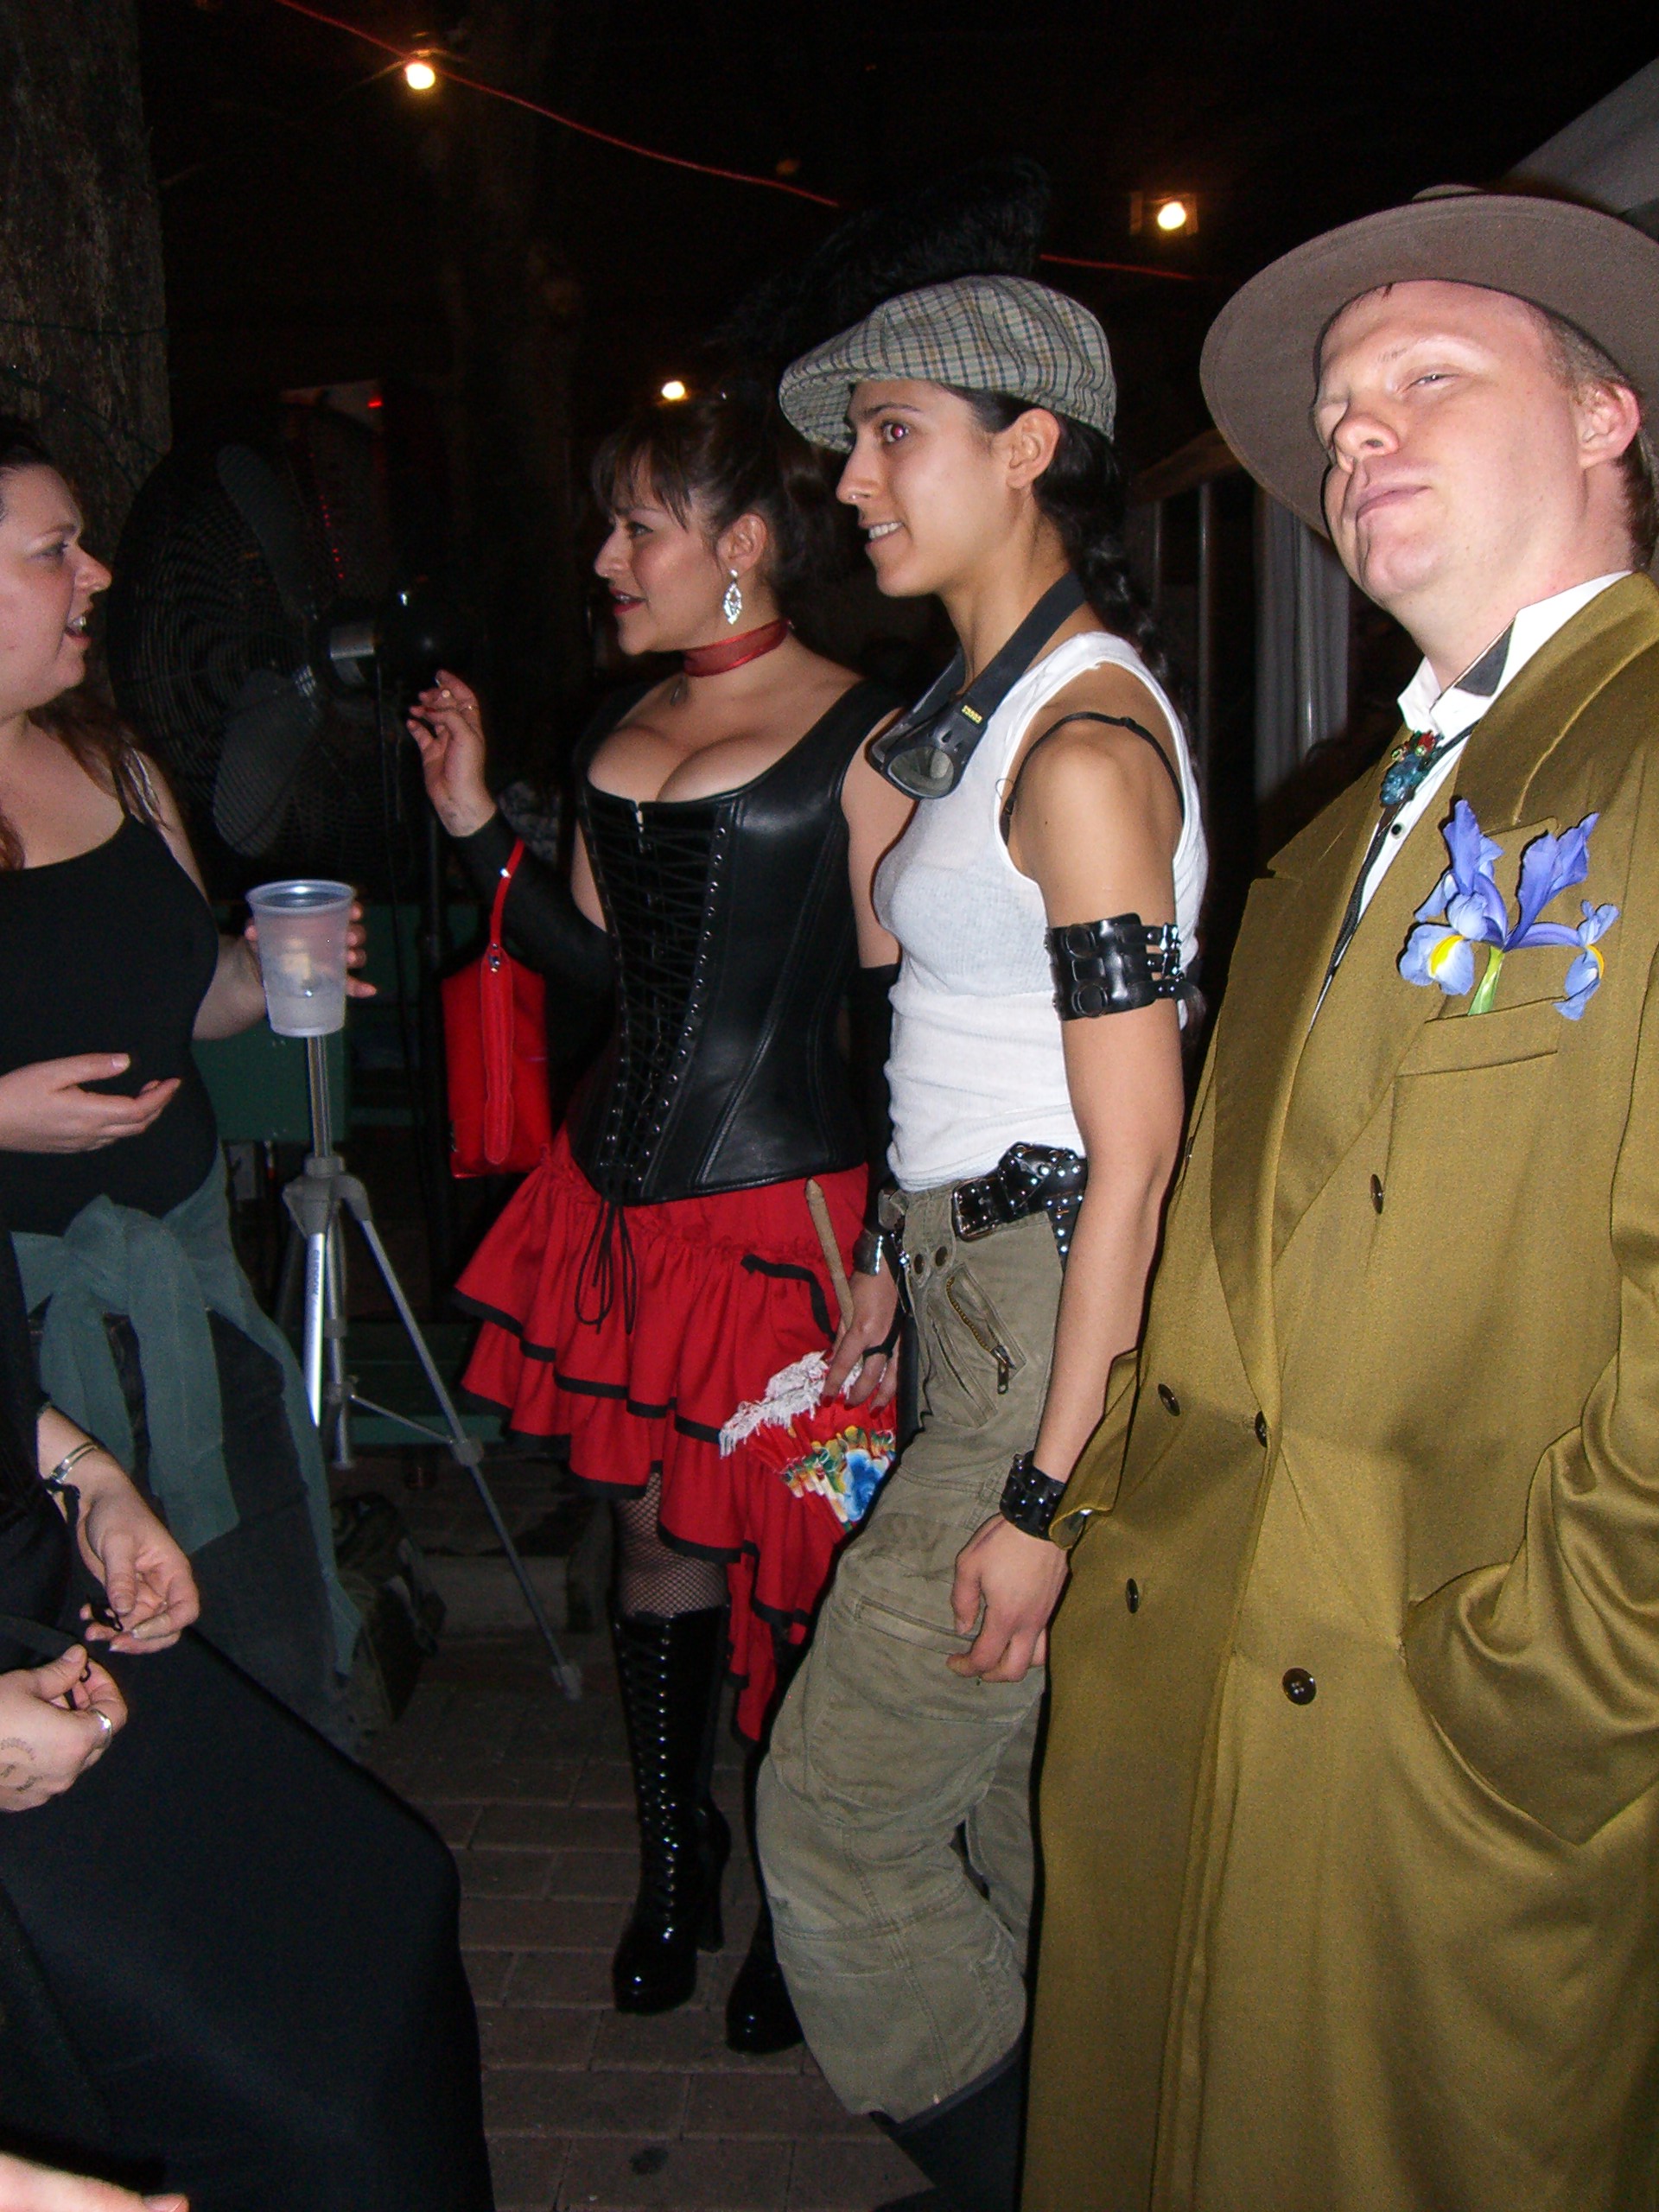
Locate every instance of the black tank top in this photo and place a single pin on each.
(732, 922)
(111, 952)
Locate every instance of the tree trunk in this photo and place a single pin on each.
(83, 338)
(513, 310)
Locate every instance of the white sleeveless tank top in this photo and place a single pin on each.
(977, 1063)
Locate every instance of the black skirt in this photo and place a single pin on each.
(251, 1946)
(229, 1958)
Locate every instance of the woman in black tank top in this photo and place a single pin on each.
(70, 982)
(110, 964)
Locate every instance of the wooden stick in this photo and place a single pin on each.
(818, 1206)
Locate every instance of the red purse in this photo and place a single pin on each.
(495, 1045)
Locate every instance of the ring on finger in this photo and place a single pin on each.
(106, 1725)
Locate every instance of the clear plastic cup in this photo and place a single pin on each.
(303, 954)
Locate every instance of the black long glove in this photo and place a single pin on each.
(869, 1007)
(541, 924)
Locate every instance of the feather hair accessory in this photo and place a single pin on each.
(987, 220)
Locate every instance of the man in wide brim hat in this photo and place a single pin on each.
(1350, 1805)
(1259, 360)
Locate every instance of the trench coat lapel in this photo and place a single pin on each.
(1273, 987)
(1370, 1016)
(1292, 1094)
(1371, 1013)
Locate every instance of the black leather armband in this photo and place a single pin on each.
(1115, 966)
(541, 925)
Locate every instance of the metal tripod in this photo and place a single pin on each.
(317, 1199)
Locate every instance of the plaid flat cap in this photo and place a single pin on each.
(982, 333)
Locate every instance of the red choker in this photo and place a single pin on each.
(732, 652)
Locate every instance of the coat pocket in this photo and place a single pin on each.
(1469, 1041)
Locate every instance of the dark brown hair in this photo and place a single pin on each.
(1081, 494)
(86, 726)
(712, 460)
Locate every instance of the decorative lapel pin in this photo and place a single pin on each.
(1408, 763)
(1466, 908)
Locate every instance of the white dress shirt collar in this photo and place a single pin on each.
(1451, 712)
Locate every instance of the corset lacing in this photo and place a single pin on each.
(661, 876)
(607, 1265)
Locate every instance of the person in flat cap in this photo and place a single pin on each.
(1045, 894)
(1350, 1807)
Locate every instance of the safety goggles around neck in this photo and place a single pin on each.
(926, 751)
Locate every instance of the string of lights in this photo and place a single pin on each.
(551, 115)
(432, 70)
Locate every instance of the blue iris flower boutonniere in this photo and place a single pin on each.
(1466, 908)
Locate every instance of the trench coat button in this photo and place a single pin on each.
(942, 1257)
(1376, 1194)
(1172, 1404)
(1299, 1685)
(1261, 1430)
(1132, 1595)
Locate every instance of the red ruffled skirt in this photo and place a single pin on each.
(630, 1337)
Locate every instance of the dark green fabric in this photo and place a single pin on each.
(166, 1275)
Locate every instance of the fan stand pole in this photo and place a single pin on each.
(317, 1199)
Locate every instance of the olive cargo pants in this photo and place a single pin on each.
(894, 1809)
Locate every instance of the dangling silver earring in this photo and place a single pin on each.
(732, 606)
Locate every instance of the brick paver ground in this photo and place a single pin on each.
(587, 2109)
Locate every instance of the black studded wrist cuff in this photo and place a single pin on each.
(1030, 1497)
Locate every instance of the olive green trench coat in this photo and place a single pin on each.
(1349, 1816)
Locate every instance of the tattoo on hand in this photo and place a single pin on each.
(9, 1768)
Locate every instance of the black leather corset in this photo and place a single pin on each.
(732, 924)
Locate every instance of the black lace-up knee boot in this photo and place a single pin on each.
(671, 1672)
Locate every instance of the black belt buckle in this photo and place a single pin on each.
(1028, 1179)
(974, 1210)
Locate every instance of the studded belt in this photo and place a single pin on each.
(1028, 1179)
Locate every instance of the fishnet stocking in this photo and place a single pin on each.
(651, 1578)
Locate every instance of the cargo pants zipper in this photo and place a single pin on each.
(985, 1339)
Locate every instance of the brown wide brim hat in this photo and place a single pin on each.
(1260, 359)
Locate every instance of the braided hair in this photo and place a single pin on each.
(1081, 494)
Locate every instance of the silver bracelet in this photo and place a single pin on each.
(59, 1473)
(873, 1252)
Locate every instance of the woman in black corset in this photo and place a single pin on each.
(110, 963)
(228, 1958)
(662, 1264)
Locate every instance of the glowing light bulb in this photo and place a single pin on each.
(420, 76)
(1172, 215)
(673, 389)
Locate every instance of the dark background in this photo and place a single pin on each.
(302, 205)
(513, 287)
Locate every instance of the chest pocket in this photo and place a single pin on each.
(1463, 1043)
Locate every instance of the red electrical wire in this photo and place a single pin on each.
(675, 161)
(1123, 268)
(551, 115)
